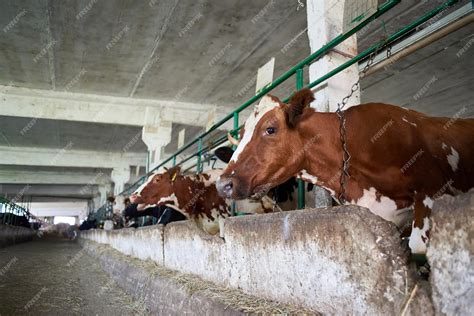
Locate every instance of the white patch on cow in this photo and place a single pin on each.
(428, 202)
(168, 199)
(453, 159)
(444, 146)
(141, 207)
(211, 226)
(266, 105)
(140, 188)
(331, 191)
(404, 119)
(308, 177)
(419, 238)
(385, 207)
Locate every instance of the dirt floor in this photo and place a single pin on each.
(56, 277)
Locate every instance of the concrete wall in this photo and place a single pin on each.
(341, 260)
(451, 254)
(10, 235)
(143, 243)
(332, 260)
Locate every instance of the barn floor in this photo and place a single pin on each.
(56, 277)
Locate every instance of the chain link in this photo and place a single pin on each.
(346, 157)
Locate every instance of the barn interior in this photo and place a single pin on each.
(96, 94)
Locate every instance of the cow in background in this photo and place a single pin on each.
(194, 196)
(163, 213)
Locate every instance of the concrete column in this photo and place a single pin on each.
(102, 196)
(120, 176)
(156, 136)
(325, 21)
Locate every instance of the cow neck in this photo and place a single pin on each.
(181, 190)
(323, 151)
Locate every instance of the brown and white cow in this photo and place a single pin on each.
(194, 196)
(400, 159)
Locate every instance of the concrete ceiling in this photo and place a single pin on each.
(203, 52)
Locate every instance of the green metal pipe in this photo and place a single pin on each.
(301, 191)
(199, 166)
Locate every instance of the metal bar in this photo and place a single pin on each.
(308, 60)
(174, 160)
(301, 191)
(403, 31)
(199, 165)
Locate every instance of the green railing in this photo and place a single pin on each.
(298, 71)
(9, 209)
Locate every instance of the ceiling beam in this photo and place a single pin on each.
(68, 158)
(53, 177)
(57, 105)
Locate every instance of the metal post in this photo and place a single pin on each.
(301, 186)
(147, 161)
(233, 209)
(198, 164)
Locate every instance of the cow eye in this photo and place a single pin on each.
(270, 130)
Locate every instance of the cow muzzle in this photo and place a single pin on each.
(135, 198)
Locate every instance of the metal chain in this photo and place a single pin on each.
(346, 157)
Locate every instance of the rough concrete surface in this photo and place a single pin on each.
(51, 276)
(341, 260)
(450, 254)
(334, 260)
(167, 292)
(143, 243)
(10, 235)
(189, 249)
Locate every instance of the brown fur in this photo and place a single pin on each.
(298, 102)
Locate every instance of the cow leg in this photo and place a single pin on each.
(419, 237)
(421, 224)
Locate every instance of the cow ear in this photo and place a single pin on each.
(298, 102)
(174, 172)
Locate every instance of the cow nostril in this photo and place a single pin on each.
(228, 186)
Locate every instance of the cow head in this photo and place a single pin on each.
(157, 187)
(268, 152)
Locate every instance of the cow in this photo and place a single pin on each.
(194, 196)
(401, 159)
(163, 213)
